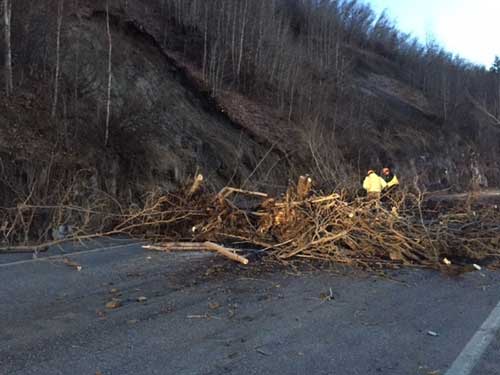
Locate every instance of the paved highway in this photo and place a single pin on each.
(200, 319)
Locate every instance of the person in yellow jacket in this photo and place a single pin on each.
(390, 178)
(374, 184)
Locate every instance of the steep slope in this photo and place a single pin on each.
(180, 127)
(407, 130)
(379, 117)
(168, 120)
(163, 128)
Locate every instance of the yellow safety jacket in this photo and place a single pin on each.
(373, 183)
(392, 182)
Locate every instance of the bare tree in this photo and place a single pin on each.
(205, 42)
(242, 38)
(7, 16)
(110, 52)
(60, 10)
(495, 69)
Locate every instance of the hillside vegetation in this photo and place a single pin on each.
(122, 96)
(358, 91)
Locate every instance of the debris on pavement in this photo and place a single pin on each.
(72, 264)
(213, 305)
(303, 224)
(327, 296)
(115, 303)
(262, 351)
(142, 299)
(432, 333)
(203, 316)
(197, 246)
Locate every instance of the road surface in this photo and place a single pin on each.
(200, 318)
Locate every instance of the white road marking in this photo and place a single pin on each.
(43, 259)
(475, 348)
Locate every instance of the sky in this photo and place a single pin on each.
(469, 28)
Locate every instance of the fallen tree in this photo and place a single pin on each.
(300, 224)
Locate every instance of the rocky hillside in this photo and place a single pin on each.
(174, 112)
(163, 127)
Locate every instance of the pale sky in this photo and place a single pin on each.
(469, 28)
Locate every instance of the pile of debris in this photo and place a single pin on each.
(300, 224)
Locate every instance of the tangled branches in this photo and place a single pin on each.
(298, 225)
(359, 232)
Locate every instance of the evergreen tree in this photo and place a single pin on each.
(495, 68)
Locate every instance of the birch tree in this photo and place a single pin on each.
(7, 16)
(108, 97)
(60, 10)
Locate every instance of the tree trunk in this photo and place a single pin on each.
(498, 95)
(58, 58)
(108, 100)
(7, 14)
(242, 39)
(205, 44)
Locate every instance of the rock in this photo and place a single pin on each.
(213, 305)
(72, 264)
(262, 351)
(115, 303)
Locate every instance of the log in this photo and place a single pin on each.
(304, 186)
(24, 249)
(226, 252)
(72, 264)
(198, 246)
(227, 191)
(330, 197)
(195, 187)
(187, 246)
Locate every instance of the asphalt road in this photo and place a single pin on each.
(200, 319)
